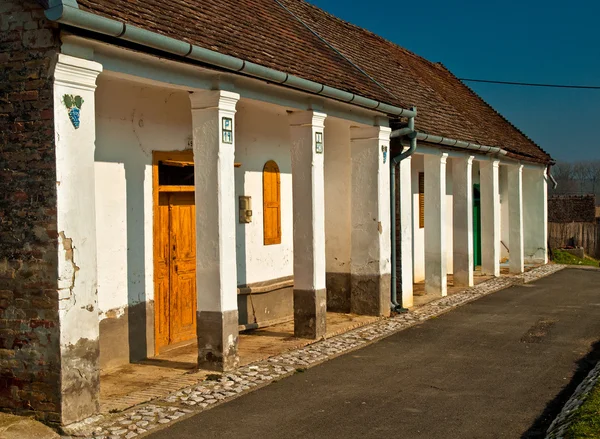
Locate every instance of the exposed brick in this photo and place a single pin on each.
(29, 350)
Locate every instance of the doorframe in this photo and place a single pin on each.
(158, 156)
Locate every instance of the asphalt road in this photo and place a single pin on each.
(499, 367)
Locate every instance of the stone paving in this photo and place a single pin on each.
(561, 424)
(216, 389)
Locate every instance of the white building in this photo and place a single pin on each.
(231, 169)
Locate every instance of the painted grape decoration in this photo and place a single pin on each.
(73, 104)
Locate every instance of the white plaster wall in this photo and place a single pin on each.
(131, 121)
(262, 134)
(449, 221)
(504, 218)
(418, 234)
(338, 216)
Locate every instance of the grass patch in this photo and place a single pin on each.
(213, 377)
(562, 257)
(586, 421)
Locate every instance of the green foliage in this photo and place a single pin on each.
(68, 100)
(71, 101)
(562, 257)
(586, 421)
(213, 377)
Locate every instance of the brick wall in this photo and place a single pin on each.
(29, 331)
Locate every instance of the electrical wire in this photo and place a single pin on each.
(529, 84)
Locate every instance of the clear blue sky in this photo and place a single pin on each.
(546, 41)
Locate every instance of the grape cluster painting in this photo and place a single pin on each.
(73, 104)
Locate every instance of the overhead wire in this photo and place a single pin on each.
(532, 84)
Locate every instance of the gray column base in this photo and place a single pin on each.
(218, 340)
(338, 292)
(80, 380)
(310, 313)
(370, 294)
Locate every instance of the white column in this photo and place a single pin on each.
(213, 122)
(310, 295)
(515, 218)
(370, 207)
(75, 135)
(404, 198)
(490, 216)
(436, 266)
(462, 175)
(535, 215)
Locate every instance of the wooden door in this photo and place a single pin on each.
(175, 265)
(271, 204)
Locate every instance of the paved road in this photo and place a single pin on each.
(500, 367)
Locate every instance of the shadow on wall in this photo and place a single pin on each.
(136, 268)
(136, 321)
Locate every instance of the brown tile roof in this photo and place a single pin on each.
(263, 32)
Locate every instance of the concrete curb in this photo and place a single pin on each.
(147, 418)
(563, 421)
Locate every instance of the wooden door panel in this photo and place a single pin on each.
(162, 272)
(183, 267)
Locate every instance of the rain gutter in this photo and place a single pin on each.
(430, 138)
(67, 12)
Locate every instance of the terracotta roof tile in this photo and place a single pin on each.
(263, 32)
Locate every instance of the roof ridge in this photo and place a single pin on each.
(446, 69)
(337, 51)
(373, 34)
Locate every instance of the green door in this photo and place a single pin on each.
(476, 226)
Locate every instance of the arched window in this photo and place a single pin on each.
(271, 203)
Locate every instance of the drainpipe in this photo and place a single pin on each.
(412, 135)
(548, 171)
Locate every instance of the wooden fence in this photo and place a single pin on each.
(586, 235)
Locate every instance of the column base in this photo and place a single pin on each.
(463, 279)
(338, 292)
(218, 340)
(370, 294)
(310, 313)
(80, 380)
(436, 287)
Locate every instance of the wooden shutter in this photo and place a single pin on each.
(421, 200)
(271, 203)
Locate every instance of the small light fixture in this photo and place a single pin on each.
(384, 149)
(319, 143)
(227, 129)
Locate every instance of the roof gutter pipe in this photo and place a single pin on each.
(67, 12)
(409, 132)
(430, 138)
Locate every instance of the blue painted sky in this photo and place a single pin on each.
(546, 41)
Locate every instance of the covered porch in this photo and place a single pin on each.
(463, 218)
(215, 209)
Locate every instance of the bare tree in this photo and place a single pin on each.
(580, 174)
(563, 174)
(593, 171)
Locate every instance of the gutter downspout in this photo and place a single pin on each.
(412, 135)
(67, 12)
(549, 172)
